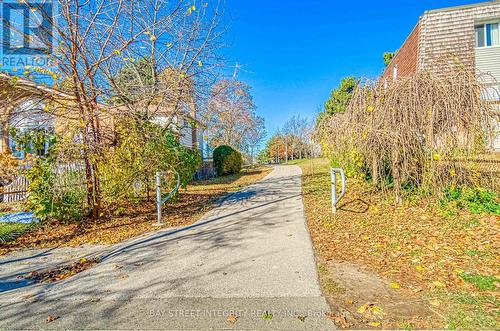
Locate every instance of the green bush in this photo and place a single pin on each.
(227, 160)
(128, 171)
(53, 195)
(54, 192)
(476, 200)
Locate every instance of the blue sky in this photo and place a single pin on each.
(295, 51)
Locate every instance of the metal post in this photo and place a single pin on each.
(158, 199)
(334, 191)
(336, 198)
(161, 201)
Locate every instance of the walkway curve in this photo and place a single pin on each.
(250, 255)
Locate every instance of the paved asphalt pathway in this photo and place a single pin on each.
(251, 255)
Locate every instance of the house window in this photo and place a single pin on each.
(487, 35)
(395, 72)
(40, 149)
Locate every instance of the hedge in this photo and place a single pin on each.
(227, 160)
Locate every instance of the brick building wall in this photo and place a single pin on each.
(406, 58)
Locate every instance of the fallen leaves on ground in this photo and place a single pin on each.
(435, 302)
(370, 308)
(339, 320)
(374, 324)
(51, 318)
(62, 272)
(417, 244)
(232, 319)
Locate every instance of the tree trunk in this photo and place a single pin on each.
(375, 171)
(396, 175)
(286, 151)
(4, 144)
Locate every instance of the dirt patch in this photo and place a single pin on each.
(62, 272)
(362, 299)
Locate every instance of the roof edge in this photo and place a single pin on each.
(472, 5)
(416, 26)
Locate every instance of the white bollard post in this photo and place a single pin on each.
(334, 191)
(158, 199)
(335, 197)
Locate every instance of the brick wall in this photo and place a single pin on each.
(406, 58)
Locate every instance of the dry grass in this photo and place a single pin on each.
(135, 219)
(442, 257)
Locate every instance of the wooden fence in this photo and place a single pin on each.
(67, 175)
(206, 170)
(15, 191)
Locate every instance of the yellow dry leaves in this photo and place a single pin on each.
(370, 308)
(394, 285)
(438, 283)
(191, 9)
(374, 209)
(420, 268)
(362, 309)
(232, 319)
(435, 302)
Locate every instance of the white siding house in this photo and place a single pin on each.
(30, 114)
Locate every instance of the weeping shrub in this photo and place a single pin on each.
(415, 132)
(227, 160)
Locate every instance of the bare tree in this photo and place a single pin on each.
(230, 116)
(255, 136)
(93, 41)
(295, 130)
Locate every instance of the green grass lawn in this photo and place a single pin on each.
(10, 231)
(294, 162)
